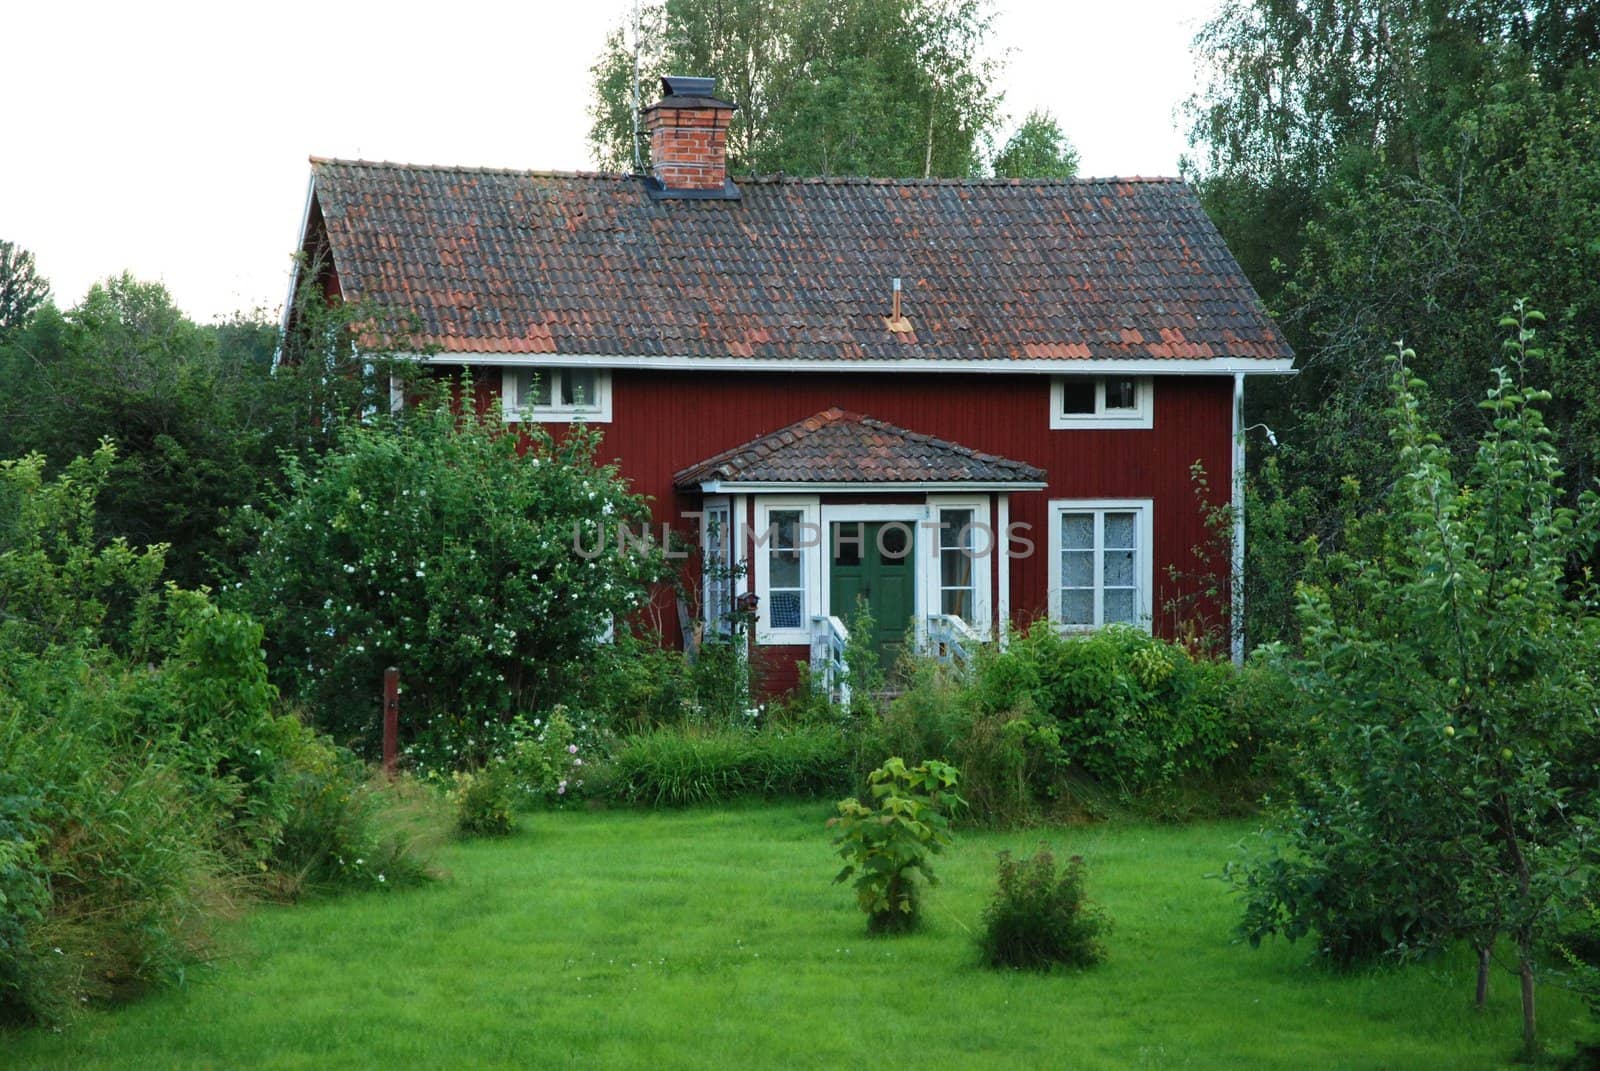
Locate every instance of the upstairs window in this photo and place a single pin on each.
(556, 395)
(1101, 402)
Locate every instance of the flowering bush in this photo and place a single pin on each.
(546, 764)
(447, 547)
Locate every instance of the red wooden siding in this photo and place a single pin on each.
(665, 421)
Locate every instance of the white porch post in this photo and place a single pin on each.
(1002, 597)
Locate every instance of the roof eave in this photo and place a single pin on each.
(1167, 366)
(802, 487)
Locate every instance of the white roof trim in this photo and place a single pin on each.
(1173, 366)
(718, 487)
(294, 269)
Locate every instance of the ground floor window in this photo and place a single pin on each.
(1100, 563)
(957, 536)
(717, 567)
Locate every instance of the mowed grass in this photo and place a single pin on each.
(713, 939)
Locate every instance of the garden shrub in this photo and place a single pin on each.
(484, 800)
(887, 844)
(1039, 918)
(677, 767)
(146, 778)
(1130, 710)
(449, 548)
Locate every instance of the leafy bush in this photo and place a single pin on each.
(1039, 918)
(453, 550)
(887, 844)
(484, 800)
(145, 776)
(1056, 719)
(676, 767)
(338, 826)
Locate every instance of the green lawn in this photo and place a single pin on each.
(713, 939)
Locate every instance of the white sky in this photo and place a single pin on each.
(170, 138)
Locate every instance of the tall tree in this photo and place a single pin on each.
(1405, 161)
(824, 87)
(22, 288)
(1038, 149)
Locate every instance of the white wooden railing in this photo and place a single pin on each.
(952, 641)
(948, 639)
(828, 639)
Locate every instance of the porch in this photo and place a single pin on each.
(805, 528)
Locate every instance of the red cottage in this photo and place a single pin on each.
(969, 402)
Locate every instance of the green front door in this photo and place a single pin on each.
(875, 561)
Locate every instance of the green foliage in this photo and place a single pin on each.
(677, 767)
(862, 87)
(1417, 164)
(22, 288)
(1448, 674)
(863, 668)
(1040, 919)
(449, 549)
(887, 844)
(1130, 710)
(146, 773)
(1056, 721)
(484, 800)
(1038, 149)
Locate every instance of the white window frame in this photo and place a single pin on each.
(811, 572)
(714, 507)
(597, 411)
(1142, 415)
(982, 562)
(1144, 560)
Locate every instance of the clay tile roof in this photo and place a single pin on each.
(587, 264)
(836, 446)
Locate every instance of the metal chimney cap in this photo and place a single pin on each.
(677, 85)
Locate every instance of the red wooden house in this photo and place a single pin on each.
(969, 402)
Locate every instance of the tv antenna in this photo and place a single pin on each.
(638, 163)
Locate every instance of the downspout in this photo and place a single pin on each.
(1236, 570)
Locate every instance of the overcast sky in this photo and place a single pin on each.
(170, 139)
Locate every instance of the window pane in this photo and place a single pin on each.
(1122, 394)
(1077, 569)
(781, 525)
(957, 528)
(784, 609)
(1077, 607)
(533, 387)
(847, 540)
(957, 601)
(580, 386)
(1120, 531)
(1119, 569)
(955, 569)
(785, 569)
(1119, 606)
(894, 540)
(1077, 531)
(1077, 396)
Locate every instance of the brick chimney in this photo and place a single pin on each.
(689, 141)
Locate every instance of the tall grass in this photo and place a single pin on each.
(678, 767)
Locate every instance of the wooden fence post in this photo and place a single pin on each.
(391, 719)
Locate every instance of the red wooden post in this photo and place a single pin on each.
(391, 719)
